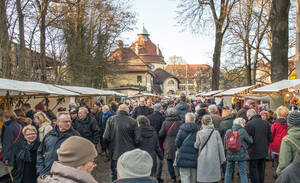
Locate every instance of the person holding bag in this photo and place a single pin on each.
(186, 156)
(167, 134)
(211, 152)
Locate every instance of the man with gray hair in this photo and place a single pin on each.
(47, 152)
(156, 120)
(87, 126)
(261, 133)
(142, 109)
(212, 110)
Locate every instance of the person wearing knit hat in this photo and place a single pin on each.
(40, 107)
(290, 144)
(76, 158)
(135, 166)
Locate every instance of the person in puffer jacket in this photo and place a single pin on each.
(182, 108)
(279, 130)
(187, 156)
(149, 141)
(240, 156)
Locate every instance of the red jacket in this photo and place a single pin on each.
(279, 130)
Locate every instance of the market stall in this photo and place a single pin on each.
(280, 92)
(231, 97)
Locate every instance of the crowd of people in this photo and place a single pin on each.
(199, 140)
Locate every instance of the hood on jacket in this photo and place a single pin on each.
(189, 127)
(236, 127)
(294, 132)
(61, 173)
(147, 131)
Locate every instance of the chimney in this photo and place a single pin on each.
(120, 44)
(137, 48)
(157, 49)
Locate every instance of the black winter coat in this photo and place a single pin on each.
(24, 171)
(121, 134)
(137, 180)
(88, 128)
(98, 117)
(187, 155)
(47, 154)
(141, 110)
(169, 138)
(291, 173)
(150, 143)
(11, 139)
(260, 131)
(156, 120)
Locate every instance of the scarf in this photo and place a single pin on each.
(25, 153)
(106, 115)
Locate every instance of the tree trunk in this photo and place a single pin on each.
(298, 40)
(22, 51)
(217, 59)
(280, 39)
(5, 48)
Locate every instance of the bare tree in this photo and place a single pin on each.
(280, 39)
(5, 46)
(198, 12)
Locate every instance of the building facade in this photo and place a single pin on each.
(141, 67)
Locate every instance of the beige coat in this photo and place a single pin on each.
(65, 174)
(43, 130)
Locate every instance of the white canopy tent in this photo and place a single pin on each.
(234, 91)
(210, 93)
(278, 86)
(14, 87)
(85, 90)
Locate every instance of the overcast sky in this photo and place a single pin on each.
(159, 18)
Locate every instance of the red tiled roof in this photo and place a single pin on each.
(180, 69)
(147, 50)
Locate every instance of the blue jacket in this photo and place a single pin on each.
(241, 155)
(47, 154)
(187, 154)
(182, 108)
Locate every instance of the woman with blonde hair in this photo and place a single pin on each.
(25, 160)
(279, 130)
(43, 123)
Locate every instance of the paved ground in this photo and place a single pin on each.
(102, 173)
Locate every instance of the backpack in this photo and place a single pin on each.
(233, 141)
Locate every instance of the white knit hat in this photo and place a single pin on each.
(134, 164)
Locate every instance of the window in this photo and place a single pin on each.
(171, 83)
(139, 79)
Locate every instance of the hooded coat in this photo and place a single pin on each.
(279, 130)
(287, 149)
(291, 173)
(182, 108)
(185, 140)
(66, 174)
(150, 143)
(169, 138)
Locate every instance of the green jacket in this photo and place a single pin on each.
(287, 149)
(225, 125)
